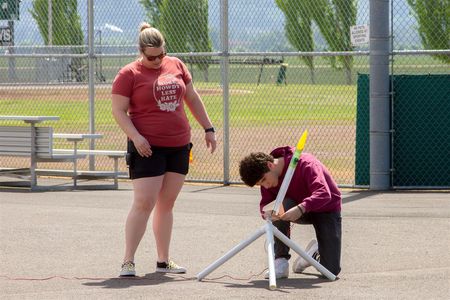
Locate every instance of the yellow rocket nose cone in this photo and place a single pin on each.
(302, 141)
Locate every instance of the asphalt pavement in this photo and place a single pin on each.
(69, 245)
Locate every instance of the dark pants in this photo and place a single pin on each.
(328, 229)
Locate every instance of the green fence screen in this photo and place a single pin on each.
(362, 151)
(421, 131)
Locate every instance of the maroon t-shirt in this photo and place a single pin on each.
(311, 184)
(156, 100)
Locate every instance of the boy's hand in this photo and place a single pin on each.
(270, 215)
(292, 214)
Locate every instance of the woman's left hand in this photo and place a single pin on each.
(211, 143)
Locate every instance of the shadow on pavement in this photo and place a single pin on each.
(285, 283)
(354, 196)
(358, 195)
(126, 282)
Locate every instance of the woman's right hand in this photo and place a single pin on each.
(142, 146)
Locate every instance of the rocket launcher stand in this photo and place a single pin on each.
(272, 231)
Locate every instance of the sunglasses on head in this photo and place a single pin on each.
(153, 58)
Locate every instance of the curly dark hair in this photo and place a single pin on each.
(253, 167)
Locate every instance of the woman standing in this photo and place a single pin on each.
(148, 97)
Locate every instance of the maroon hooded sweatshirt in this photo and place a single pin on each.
(311, 184)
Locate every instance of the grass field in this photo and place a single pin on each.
(261, 117)
(250, 105)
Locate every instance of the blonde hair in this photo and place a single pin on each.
(150, 37)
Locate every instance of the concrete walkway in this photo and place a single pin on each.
(69, 245)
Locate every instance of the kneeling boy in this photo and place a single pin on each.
(311, 198)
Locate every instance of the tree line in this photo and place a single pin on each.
(184, 23)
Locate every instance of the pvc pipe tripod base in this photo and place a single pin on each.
(270, 232)
(230, 254)
(303, 254)
(271, 255)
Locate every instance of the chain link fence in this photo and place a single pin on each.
(279, 67)
(421, 94)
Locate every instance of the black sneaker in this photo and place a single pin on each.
(169, 267)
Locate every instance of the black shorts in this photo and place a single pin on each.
(162, 160)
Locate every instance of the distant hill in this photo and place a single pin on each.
(254, 25)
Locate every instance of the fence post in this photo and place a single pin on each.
(11, 50)
(224, 66)
(91, 80)
(379, 96)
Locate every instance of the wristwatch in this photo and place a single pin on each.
(211, 129)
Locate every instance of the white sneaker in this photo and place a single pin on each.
(281, 268)
(169, 267)
(300, 263)
(128, 269)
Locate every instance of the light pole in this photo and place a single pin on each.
(50, 22)
(99, 70)
(99, 31)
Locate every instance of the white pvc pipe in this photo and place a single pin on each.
(271, 255)
(303, 254)
(283, 189)
(290, 172)
(230, 253)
